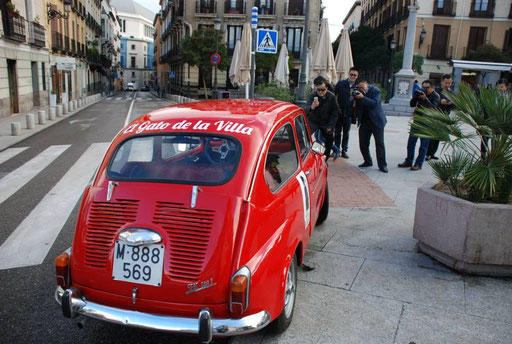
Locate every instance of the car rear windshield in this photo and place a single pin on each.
(185, 159)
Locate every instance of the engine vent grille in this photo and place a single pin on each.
(104, 221)
(188, 231)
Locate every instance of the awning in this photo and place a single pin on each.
(481, 66)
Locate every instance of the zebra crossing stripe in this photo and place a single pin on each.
(13, 181)
(9, 153)
(118, 98)
(31, 241)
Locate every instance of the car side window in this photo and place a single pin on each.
(281, 160)
(302, 136)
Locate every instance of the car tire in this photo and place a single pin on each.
(281, 323)
(324, 211)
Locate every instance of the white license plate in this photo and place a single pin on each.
(139, 264)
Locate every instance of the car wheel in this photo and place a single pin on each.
(324, 211)
(290, 291)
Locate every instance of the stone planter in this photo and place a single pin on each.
(474, 238)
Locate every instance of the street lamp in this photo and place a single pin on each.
(54, 13)
(217, 23)
(423, 34)
(392, 45)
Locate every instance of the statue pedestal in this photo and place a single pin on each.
(399, 104)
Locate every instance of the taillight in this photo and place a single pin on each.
(62, 269)
(240, 283)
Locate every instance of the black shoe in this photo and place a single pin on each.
(366, 164)
(335, 156)
(405, 164)
(383, 169)
(428, 157)
(344, 155)
(433, 157)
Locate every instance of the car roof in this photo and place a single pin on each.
(242, 118)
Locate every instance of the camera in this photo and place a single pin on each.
(356, 91)
(419, 92)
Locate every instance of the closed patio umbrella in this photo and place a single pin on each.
(243, 71)
(344, 60)
(234, 63)
(322, 63)
(282, 72)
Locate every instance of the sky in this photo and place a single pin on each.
(335, 11)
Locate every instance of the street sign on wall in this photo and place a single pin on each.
(65, 63)
(267, 41)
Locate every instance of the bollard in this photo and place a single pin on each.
(71, 106)
(31, 123)
(75, 104)
(80, 102)
(60, 110)
(52, 113)
(15, 128)
(41, 117)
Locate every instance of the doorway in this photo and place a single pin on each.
(35, 84)
(13, 86)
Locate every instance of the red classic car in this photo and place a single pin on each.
(196, 221)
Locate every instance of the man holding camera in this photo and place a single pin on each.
(425, 97)
(446, 106)
(322, 112)
(342, 90)
(371, 121)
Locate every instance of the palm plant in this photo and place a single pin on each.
(478, 138)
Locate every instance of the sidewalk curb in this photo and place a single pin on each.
(7, 141)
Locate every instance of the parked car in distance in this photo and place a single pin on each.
(130, 87)
(145, 88)
(197, 220)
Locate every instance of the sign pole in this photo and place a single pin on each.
(301, 97)
(254, 25)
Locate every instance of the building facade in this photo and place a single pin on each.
(111, 46)
(445, 29)
(353, 18)
(181, 17)
(24, 57)
(92, 42)
(136, 26)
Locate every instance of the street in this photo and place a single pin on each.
(38, 220)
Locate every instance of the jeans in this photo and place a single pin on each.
(366, 130)
(411, 146)
(343, 123)
(432, 147)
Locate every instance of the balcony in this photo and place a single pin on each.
(266, 7)
(444, 8)
(234, 7)
(14, 27)
(37, 35)
(66, 44)
(482, 8)
(56, 41)
(206, 6)
(440, 54)
(294, 8)
(73, 46)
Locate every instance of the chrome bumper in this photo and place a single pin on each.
(74, 304)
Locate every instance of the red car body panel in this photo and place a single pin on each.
(241, 222)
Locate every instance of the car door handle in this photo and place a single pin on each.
(308, 172)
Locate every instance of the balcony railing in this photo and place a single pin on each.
(482, 8)
(295, 8)
(14, 27)
(37, 34)
(266, 7)
(444, 8)
(234, 7)
(73, 46)
(56, 41)
(79, 49)
(66, 44)
(206, 6)
(437, 54)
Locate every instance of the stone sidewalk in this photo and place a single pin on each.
(369, 283)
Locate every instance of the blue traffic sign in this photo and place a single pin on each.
(267, 41)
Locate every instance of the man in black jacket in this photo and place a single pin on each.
(322, 112)
(344, 122)
(446, 106)
(426, 97)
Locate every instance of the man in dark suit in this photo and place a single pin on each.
(342, 91)
(371, 121)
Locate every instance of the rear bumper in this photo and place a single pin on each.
(73, 304)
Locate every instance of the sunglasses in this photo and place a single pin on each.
(321, 89)
(351, 74)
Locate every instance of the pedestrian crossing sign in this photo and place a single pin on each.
(267, 41)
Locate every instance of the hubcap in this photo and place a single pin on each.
(289, 296)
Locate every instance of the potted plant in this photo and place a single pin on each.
(11, 9)
(53, 98)
(464, 221)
